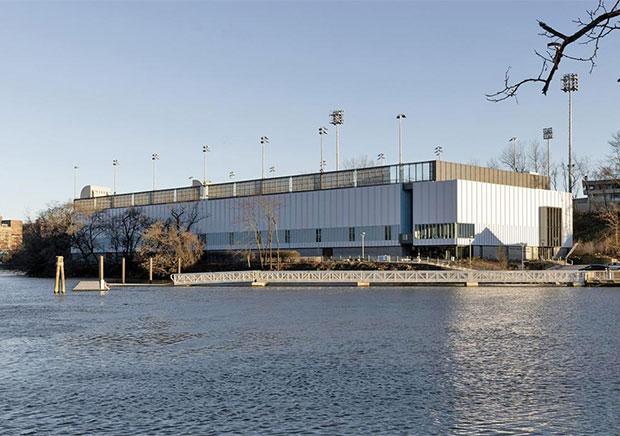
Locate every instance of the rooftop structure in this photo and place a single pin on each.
(435, 170)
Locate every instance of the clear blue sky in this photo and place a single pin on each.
(84, 83)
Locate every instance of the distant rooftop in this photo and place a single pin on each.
(412, 172)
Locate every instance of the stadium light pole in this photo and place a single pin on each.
(205, 149)
(337, 119)
(322, 131)
(513, 141)
(570, 84)
(548, 136)
(115, 164)
(263, 140)
(400, 118)
(154, 158)
(75, 180)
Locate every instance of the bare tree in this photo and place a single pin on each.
(184, 217)
(536, 158)
(513, 157)
(125, 231)
(87, 232)
(358, 162)
(260, 216)
(599, 23)
(167, 245)
(581, 169)
(611, 216)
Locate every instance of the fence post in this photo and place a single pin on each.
(179, 266)
(123, 270)
(150, 270)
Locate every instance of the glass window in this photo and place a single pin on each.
(318, 235)
(351, 233)
(287, 236)
(388, 233)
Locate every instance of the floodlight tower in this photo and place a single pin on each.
(570, 84)
(154, 158)
(115, 164)
(263, 140)
(548, 136)
(75, 180)
(205, 149)
(322, 131)
(337, 118)
(400, 118)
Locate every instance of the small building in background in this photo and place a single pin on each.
(11, 233)
(600, 194)
(92, 191)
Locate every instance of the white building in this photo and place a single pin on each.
(432, 208)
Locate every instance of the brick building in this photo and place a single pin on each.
(10, 234)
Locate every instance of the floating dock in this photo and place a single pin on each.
(401, 278)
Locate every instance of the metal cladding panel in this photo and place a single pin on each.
(434, 202)
(508, 214)
(349, 207)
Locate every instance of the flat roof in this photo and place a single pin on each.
(411, 172)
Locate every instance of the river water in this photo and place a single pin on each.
(308, 360)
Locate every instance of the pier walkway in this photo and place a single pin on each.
(367, 278)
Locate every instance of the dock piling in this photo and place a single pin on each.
(59, 284)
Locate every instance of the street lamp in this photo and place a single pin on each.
(513, 141)
(115, 164)
(205, 150)
(400, 118)
(154, 158)
(337, 119)
(263, 140)
(570, 84)
(363, 238)
(548, 136)
(75, 180)
(322, 131)
(438, 151)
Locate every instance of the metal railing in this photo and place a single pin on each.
(378, 277)
(382, 175)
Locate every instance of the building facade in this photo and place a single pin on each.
(11, 232)
(426, 208)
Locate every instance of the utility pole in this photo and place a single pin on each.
(337, 120)
(570, 84)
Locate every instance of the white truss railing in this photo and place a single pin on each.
(448, 277)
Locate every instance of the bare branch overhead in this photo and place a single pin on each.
(600, 22)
